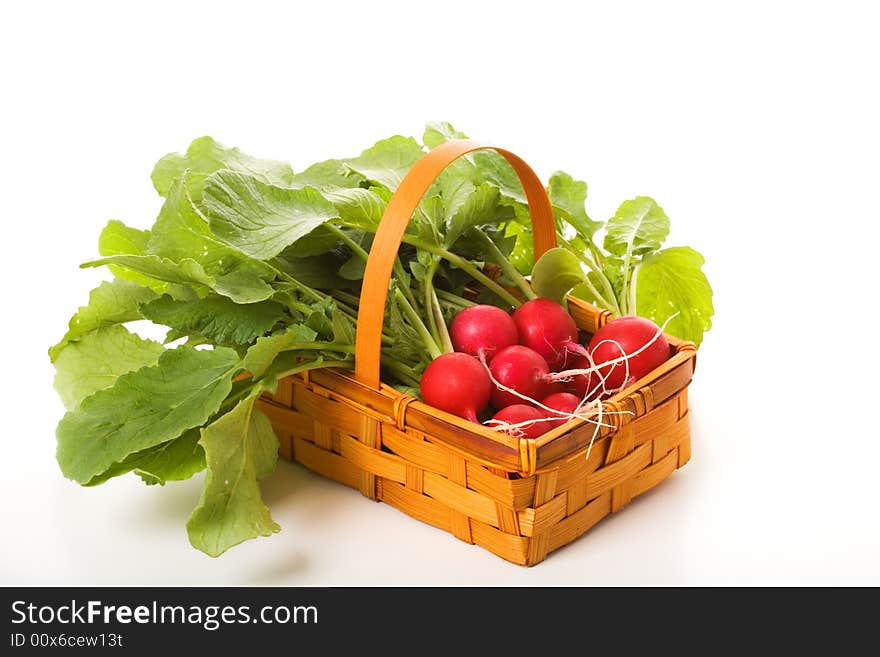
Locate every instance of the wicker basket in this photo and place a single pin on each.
(519, 498)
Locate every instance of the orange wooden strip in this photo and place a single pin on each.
(613, 475)
(579, 523)
(418, 506)
(372, 460)
(454, 496)
(326, 463)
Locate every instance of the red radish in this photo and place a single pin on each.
(585, 386)
(523, 370)
(561, 401)
(546, 327)
(516, 413)
(482, 329)
(625, 339)
(457, 383)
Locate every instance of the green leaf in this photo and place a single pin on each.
(117, 238)
(220, 320)
(261, 220)
(112, 302)
(556, 273)
(181, 232)
(568, 197)
(327, 174)
(478, 207)
(523, 254)
(96, 360)
(174, 460)
(144, 408)
(184, 272)
(358, 207)
(439, 132)
(205, 156)
(671, 281)
(638, 227)
(318, 242)
(491, 166)
(264, 351)
(317, 272)
(240, 449)
(388, 161)
(244, 285)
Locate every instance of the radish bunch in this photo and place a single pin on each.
(529, 372)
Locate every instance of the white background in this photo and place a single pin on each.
(754, 125)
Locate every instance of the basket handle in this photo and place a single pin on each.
(398, 212)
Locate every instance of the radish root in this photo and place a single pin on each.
(591, 411)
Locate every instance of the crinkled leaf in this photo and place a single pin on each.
(244, 285)
(112, 302)
(318, 242)
(439, 132)
(205, 156)
(174, 460)
(492, 167)
(388, 161)
(670, 281)
(181, 232)
(144, 408)
(556, 273)
(96, 360)
(329, 173)
(261, 220)
(523, 254)
(477, 208)
(358, 207)
(319, 272)
(264, 351)
(219, 319)
(638, 227)
(186, 271)
(568, 197)
(118, 239)
(240, 449)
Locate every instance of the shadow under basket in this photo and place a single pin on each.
(516, 497)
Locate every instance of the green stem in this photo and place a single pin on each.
(465, 266)
(453, 299)
(631, 300)
(437, 312)
(428, 285)
(356, 248)
(314, 364)
(509, 270)
(401, 371)
(402, 276)
(417, 323)
(314, 294)
(610, 301)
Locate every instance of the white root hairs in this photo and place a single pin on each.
(589, 411)
(516, 428)
(567, 375)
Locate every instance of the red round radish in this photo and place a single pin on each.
(516, 413)
(626, 338)
(585, 386)
(457, 383)
(546, 327)
(482, 329)
(561, 401)
(523, 370)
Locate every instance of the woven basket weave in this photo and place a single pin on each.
(519, 498)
